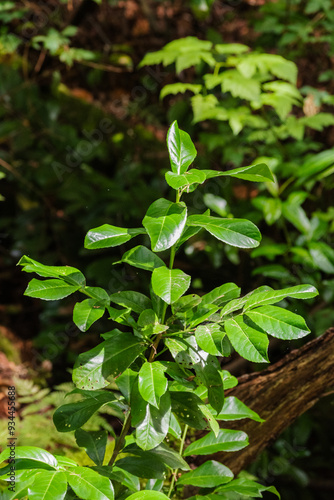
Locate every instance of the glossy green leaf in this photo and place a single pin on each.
(133, 300)
(210, 419)
(85, 313)
(221, 294)
(271, 297)
(169, 284)
(89, 485)
(149, 323)
(236, 232)
(21, 487)
(209, 338)
(250, 343)
(22, 465)
(182, 151)
(94, 442)
(254, 173)
(121, 316)
(184, 351)
(175, 371)
(211, 378)
(151, 423)
(65, 461)
(229, 380)
(186, 407)
(50, 289)
(121, 475)
(111, 357)
(186, 302)
(147, 495)
(187, 233)
(31, 453)
(48, 485)
(248, 488)
(107, 236)
(234, 409)
(154, 484)
(161, 453)
(227, 440)
(178, 181)
(164, 222)
(152, 383)
(99, 294)
(70, 275)
(71, 416)
(146, 466)
(141, 257)
(236, 304)
(208, 475)
(170, 457)
(279, 322)
(202, 313)
(174, 427)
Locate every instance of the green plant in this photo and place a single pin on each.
(251, 107)
(166, 370)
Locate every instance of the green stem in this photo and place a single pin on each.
(171, 263)
(184, 435)
(120, 441)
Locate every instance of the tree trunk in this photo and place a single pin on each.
(280, 394)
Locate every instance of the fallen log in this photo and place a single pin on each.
(279, 395)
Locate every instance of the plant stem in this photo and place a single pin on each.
(120, 441)
(154, 347)
(171, 263)
(185, 430)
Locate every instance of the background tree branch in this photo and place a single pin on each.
(281, 394)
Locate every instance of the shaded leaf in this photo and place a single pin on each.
(111, 357)
(71, 416)
(94, 442)
(187, 408)
(133, 300)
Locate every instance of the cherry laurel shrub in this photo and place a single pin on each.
(161, 401)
